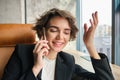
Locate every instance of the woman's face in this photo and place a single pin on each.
(58, 33)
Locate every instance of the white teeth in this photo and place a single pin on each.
(58, 43)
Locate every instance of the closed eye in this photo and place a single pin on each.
(53, 29)
(67, 31)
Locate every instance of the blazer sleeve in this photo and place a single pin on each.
(13, 69)
(101, 67)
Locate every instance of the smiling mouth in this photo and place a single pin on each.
(58, 44)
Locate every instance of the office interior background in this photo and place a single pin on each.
(107, 39)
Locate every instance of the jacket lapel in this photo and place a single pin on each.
(39, 75)
(60, 68)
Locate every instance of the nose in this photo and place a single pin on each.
(60, 36)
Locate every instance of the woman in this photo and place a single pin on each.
(47, 61)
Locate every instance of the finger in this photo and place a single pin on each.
(40, 45)
(96, 15)
(93, 27)
(85, 30)
(35, 48)
(92, 24)
(39, 48)
(94, 19)
(46, 46)
(43, 52)
(46, 51)
(35, 42)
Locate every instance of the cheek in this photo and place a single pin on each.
(67, 38)
(50, 36)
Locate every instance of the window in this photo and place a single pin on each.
(103, 32)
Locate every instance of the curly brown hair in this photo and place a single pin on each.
(43, 21)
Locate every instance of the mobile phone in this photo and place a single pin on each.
(44, 34)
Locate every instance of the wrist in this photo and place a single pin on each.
(36, 70)
(93, 52)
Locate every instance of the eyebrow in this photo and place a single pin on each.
(53, 27)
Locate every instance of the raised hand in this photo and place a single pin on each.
(88, 36)
(89, 32)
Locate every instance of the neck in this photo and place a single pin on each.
(52, 55)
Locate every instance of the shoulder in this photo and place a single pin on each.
(24, 51)
(23, 48)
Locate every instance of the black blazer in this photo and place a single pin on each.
(21, 62)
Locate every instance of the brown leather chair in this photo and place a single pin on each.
(10, 35)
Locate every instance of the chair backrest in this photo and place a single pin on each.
(10, 35)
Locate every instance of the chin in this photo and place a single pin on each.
(57, 49)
